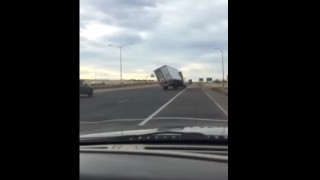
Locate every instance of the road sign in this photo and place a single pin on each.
(200, 79)
(209, 79)
(151, 75)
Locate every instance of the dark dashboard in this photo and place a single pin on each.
(160, 162)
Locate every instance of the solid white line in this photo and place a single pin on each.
(163, 106)
(215, 102)
(189, 118)
(123, 100)
(111, 120)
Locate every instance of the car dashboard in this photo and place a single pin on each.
(153, 161)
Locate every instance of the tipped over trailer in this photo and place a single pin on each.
(168, 76)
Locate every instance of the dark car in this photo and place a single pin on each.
(85, 88)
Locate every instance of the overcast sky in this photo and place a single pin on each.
(178, 33)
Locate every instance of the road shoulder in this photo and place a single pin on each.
(217, 96)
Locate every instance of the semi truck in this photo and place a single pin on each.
(168, 76)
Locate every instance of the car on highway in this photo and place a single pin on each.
(147, 119)
(184, 131)
(85, 88)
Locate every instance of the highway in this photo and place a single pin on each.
(151, 107)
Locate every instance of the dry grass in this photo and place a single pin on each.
(223, 91)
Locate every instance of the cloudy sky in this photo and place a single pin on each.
(178, 33)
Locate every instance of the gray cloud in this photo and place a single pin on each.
(179, 33)
(132, 14)
(122, 38)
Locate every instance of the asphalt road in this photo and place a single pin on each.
(151, 107)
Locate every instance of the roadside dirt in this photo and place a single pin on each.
(223, 91)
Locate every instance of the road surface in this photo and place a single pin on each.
(151, 107)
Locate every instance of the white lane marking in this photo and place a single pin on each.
(111, 120)
(215, 102)
(157, 111)
(190, 118)
(123, 100)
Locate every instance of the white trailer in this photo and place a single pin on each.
(168, 76)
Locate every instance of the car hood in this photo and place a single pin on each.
(212, 131)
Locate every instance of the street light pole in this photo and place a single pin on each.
(120, 48)
(222, 66)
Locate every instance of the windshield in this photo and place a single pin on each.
(153, 66)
